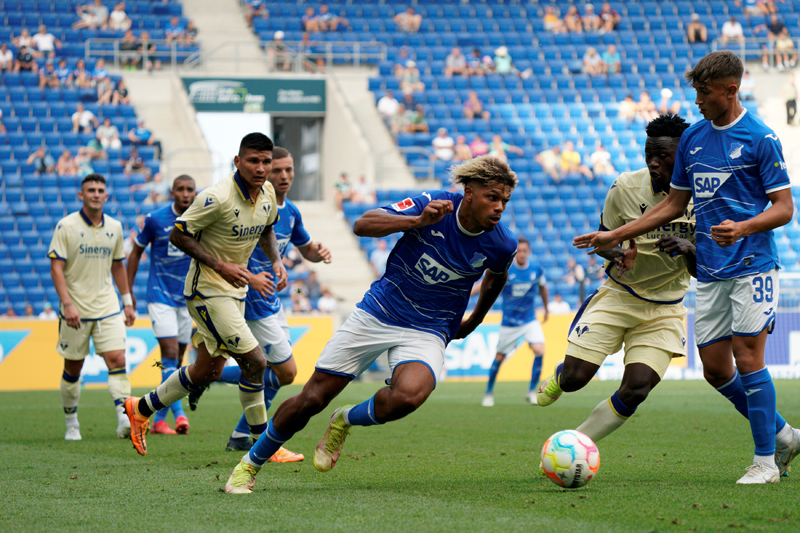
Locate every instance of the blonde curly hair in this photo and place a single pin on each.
(484, 169)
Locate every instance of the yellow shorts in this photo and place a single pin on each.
(221, 326)
(108, 335)
(611, 317)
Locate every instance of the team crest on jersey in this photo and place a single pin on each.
(736, 150)
(477, 260)
(408, 203)
(580, 330)
(433, 272)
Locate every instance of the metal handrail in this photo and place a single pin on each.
(91, 50)
(756, 45)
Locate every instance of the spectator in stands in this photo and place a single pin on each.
(747, 89)
(279, 57)
(328, 21)
(732, 31)
(549, 160)
(41, 160)
(768, 7)
(379, 256)
(10, 312)
(646, 108)
(64, 73)
(667, 104)
(134, 164)
(327, 303)
(83, 120)
(313, 288)
(388, 105)
(610, 17)
(190, 35)
(551, 21)
(118, 20)
(300, 303)
(410, 80)
(309, 21)
(99, 71)
(23, 39)
(141, 136)
(108, 135)
(500, 149)
(157, 189)
(3, 131)
(443, 145)
(789, 93)
(478, 146)
(627, 108)
(572, 20)
(83, 161)
(147, 50)
(121, 95)
(175, 30)
(557, 305)
(590, 20)
(93, 16)
(503, 63)
(474, 63)
(45, 42)
(48, 77)
(400, 121)
(594, 270)
(774, 28)
(29, 311)
(65, 166)
(571, 162)
(343, 191)
(48, 313)
(473, 107)
(601, 162)
(95, 149)
(593, 64)
(105, 91)
(785, 51)
(128, 47)
(6, 58)
(408, 21)
(25, 61)
(363, 192)
(455, 63)
(256, 8)
(81, 77)
(612, 60)
(696, 31)
(417, 121)
(462, 150)
(575, 275)
(487, 64)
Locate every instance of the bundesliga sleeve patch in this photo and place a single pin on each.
(408, 203)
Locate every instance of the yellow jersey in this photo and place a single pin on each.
(655, 277)
(227, 222)
(88, 252)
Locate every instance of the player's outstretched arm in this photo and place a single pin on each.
(673, 246)
(71, 315)
(133, 267)
(380, 223)
(779, 214)
(316, 252)
(666, 211)
(491, 288)
(269, 245)
(121, 280)
(236, 275)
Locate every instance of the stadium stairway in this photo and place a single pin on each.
(349, 274)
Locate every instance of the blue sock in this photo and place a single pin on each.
(271, 387)
(621, 409)
(231, 375)
(362, 414)
(536, 371)
(760, 395)
(266, 446)
(493, 375)
(557, 373)
(734, 391)
(168, 366)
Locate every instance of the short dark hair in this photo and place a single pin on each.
(93, 177)
(717, 66)
(523, 240)
(182, 177)
(668, 125)
(280, 152)
(255, 141)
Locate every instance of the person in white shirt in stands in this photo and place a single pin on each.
(732, 31)
(388, 105)
(363, 192)
(109, 135)
(48, 313)
(327, 303)
(443, 146)
(118, 20)
(557, 306)
(6, 58)
(379, 257)
(83, 120)
(45, 42)
(601, 162)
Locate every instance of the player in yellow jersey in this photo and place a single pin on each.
(219, 232)
(642, 305)
(85, 254)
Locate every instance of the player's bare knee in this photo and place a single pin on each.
(574, 378)
(634, 394)
(287, 378)
(253, 365)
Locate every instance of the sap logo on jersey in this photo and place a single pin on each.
(433, 272)
(707, 183)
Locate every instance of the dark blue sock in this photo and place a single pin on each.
(621, 409)
(493, 375)
(362, 414)
(266, 445)
(760, 394)
(168, 366)
(231, 375)
(734, 391)
(271, 388)
(536, 371)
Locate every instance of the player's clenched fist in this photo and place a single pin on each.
(727, 233)
(435, 211)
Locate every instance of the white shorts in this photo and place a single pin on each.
(362, 338)
(272, 334)
(740, 306)
(170, 321)
(511, 335)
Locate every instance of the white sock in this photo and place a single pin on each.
(239, 434)
(70, 396)
(784, 436)
(255, 411)
(768, 460)
(170, 390)
(119, 387)
(602, 422)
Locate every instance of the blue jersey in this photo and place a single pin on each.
(431, 270)
(730, 171)
(519, 294)
(288, 229)
(168, 264)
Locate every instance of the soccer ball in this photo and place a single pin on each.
(570, 459)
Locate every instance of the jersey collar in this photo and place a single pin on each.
(732, 124)
(174, 211)
(241, 186)
(654, 187)
(88, 220)
(460, 227)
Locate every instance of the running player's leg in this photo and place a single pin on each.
(488, 397)
(184, 337)
(109, 337)
(169, 364)
(534, 335)
(507, 342)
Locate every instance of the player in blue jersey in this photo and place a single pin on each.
(525, 278)
(449, 240)
(732, 165)
(264, 312)
(166, 305)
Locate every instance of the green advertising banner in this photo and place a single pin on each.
(273, 95)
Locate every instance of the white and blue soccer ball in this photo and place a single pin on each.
(570, 459)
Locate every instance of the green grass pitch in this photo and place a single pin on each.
(451, 466)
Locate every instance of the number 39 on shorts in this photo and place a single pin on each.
(762, 286)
